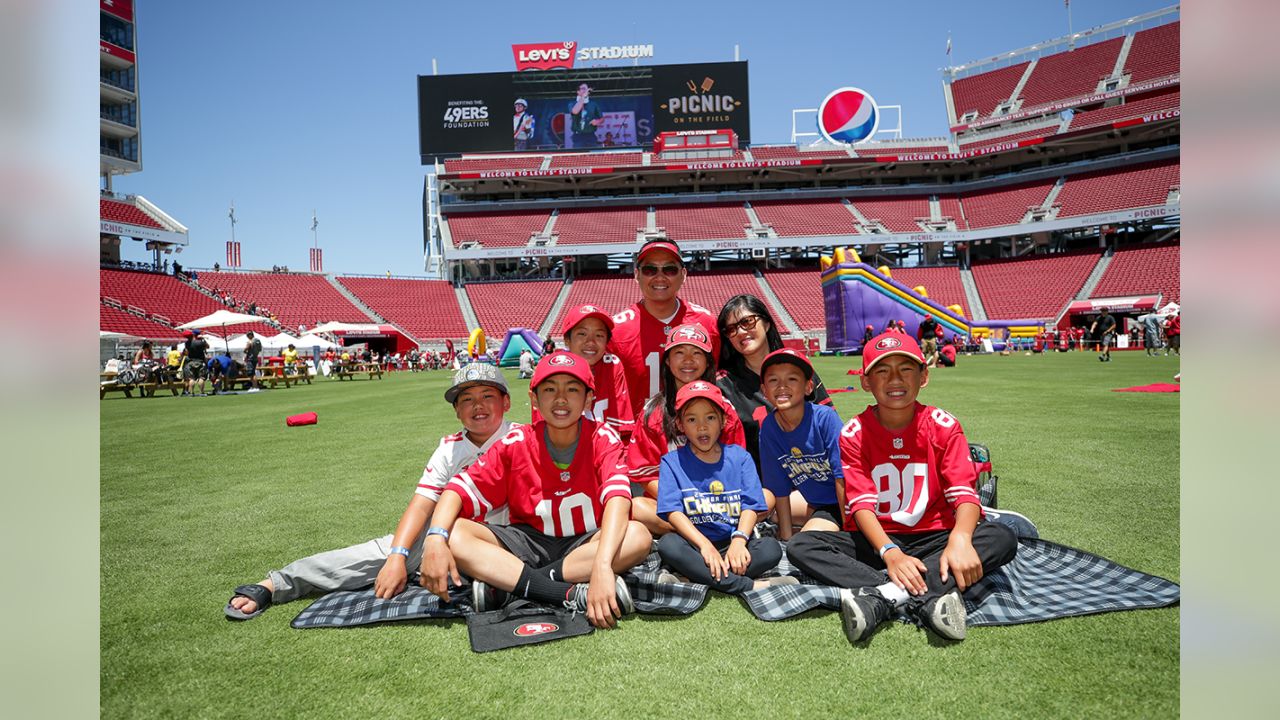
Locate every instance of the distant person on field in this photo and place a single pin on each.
(526, 364)
(195, 355)
(927, 334)
(1104, 329)
(1173, 333)
(252, 351)
(480, 400)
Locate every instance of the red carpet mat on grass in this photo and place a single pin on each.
(1153, 387)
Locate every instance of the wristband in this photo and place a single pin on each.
(739, 533)
(400, 550)
(438, 531)
(887, 547)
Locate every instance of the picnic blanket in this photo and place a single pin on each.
(1045, 581)
(1152, 388)
(360, 607)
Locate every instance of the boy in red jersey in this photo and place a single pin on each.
(586, 330)
(641, 330)
(910, 509)
(564, 480)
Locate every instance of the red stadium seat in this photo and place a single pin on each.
(1143, 270)
(497, 229)
(1033, 287)
(167, 296)
(1118, 189)
(295, 299)
(426, 309)
(799, 218)
(127, 213)
(703, 222)
(985, 91)
(1070, 74)
(501, 306)
(1154, 53)
(599, 225)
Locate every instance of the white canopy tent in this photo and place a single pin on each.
(311, 340)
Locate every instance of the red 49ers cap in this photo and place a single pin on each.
(656, 245)
(575, 315)
(688, 334)
(565, 363)
(699, 389)
(788, 355)
(889, 343)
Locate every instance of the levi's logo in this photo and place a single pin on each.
(545, 56)
(531, 629)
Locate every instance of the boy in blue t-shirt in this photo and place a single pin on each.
(710, 494)
(799, 446)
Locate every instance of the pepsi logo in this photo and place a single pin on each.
(888, 344)
(848, 116)
(531, 629)
(561, 360)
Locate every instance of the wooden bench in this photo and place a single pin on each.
(350, 371)
(107, 383)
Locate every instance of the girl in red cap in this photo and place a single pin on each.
(685, 358)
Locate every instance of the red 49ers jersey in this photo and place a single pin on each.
(519, 472)
(913, 478)
(612, 404)
(638, 338)
(649, 443)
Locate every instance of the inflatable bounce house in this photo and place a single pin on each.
(515, 342)
(856, 295)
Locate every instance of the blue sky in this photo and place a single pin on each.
(289, 107)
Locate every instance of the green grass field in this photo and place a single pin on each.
(202, 494)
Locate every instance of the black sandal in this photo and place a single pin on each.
(256, 593)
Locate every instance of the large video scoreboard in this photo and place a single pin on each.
(578, 109)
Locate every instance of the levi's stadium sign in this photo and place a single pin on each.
(561, 55)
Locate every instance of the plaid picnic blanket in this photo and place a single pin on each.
(1045, 581)
(361, 607)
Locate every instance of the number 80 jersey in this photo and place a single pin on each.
(518, 471)
(913, 478)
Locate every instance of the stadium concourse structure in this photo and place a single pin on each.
(1059, 183)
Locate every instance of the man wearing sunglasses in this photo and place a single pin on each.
(641, 330)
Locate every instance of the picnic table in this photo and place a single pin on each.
(350, 370)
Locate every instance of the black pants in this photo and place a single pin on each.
(685, 559)
(846, 559)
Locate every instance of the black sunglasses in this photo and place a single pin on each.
(668, 270)
(746, 324)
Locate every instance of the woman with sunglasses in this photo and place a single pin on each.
(747, 335)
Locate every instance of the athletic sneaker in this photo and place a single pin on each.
(577, 599)
(485, 597)
(944, 615)
(861, 612)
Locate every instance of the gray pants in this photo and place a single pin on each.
(350, 568)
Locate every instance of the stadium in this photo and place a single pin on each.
(1055, 195)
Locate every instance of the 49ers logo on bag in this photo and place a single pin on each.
(531, 629)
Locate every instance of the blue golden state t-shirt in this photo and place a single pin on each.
(806, 459)
(712, 495)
